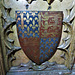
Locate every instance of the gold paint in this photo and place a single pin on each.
(24, 12)
(44, 39)
(19, 19)
(33, 34)
(54, 39)
(44, 55)
(18, 12)
(41, 42)
(19, 25)
(28, 34)
(36, 18)
(23, 35)
(44, 45)
(49, 40)
(20, 32)
(36, 25)
(36, 12)
(41, 54)
(27, 21)
(54, 45)
(25, 31)
(24, 18)
(25, 25)
(49, 50)
(31, 19)
(51, 47)
(27, 15)
(22, 27)
(46, 42)
(30, 25)
(44, 49)
(46, 25)
(33, 28)
(56, 42)
(36, 31)
(49, 44)
(28, 29)
(41, 47)
(33, 22)
(33, 14)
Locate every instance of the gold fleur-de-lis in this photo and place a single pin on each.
(46, 42)
(24, 18)
(27, 21)
(54, 39)
(28, 34)
(44, 39)
(51, 47)
(24, 12)
(25, 25)
(31, 19)
(25, 31)
(33, 14)
(33, 34)
(36, 18)
(49, 40)
(33, 22)
(23, 35)
(20, 31)
(28, 29)
(19, 19)
(19, 25)
(49, 50)
(18, 12)
(33, 28)
(36, 25)
(36, 31)
(27, 15)
(30, 25)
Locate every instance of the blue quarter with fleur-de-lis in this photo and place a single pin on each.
(30, 26)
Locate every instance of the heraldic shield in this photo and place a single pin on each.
(39, 33)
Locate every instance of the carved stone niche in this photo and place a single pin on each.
(10, 45)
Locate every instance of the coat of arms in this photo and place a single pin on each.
(39, 33)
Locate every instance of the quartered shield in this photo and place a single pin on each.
(39, 33)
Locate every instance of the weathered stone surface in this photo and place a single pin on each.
(51, 70)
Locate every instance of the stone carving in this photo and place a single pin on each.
(68, 42)
(9, 49)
